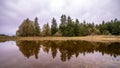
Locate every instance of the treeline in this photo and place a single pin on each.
(29, 28)
(68, 27)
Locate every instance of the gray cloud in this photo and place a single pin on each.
(13, 12)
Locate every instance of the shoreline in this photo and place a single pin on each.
(95, 38)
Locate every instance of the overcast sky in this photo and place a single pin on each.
(13, 12)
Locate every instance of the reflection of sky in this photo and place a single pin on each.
(13, 12)
(10, 56)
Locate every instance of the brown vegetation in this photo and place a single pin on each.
(96, 38)
(7, 38)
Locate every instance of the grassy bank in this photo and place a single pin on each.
(7, 38)
(97, 38)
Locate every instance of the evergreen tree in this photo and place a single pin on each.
(46, 30)
(77, 28)
(62, 26)
(36, 26)
(54, 28)
(70, 27)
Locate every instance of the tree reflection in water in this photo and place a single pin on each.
(29, 48)
(67, 48)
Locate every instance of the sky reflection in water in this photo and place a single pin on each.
(66, 54)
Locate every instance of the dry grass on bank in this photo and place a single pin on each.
(7, 38)
(96, 38)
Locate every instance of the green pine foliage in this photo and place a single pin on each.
(37, 28)
(68, 27)
(46, 30)
(54, 28)
(63, 25)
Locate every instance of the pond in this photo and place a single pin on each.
(59, 54)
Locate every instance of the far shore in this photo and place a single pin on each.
(95, 38)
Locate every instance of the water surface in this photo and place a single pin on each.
(59, 54)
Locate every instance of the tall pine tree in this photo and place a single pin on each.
(46, 30)
(36, 26)
(63, 24)
(54, 28)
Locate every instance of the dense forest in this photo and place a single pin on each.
(68, 27)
